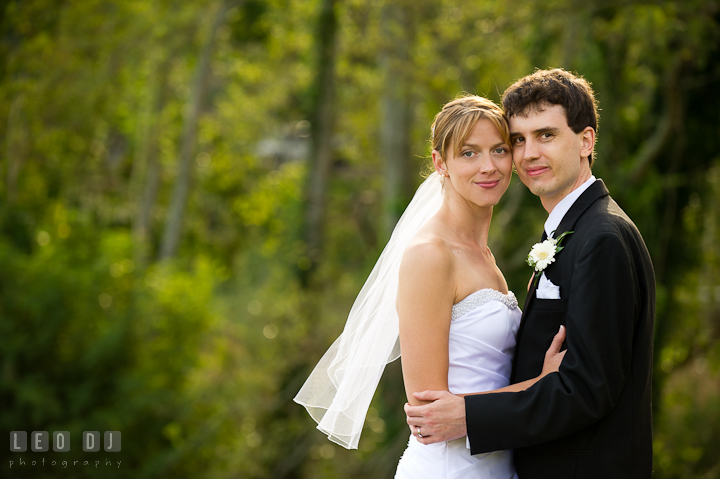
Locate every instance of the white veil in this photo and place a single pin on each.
(339, 390)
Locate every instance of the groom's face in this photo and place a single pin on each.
(548, 154)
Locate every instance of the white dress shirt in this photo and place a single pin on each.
(558, 213)
(546, 289)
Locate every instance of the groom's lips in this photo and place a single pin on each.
(536, 171)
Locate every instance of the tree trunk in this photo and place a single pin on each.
(141, 229)
(16, 146)
(322, 116)
(654, 146)
(396, 111)
(171, 236)
(145, 175)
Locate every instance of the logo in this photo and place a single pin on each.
(40, 441)
(61, 441)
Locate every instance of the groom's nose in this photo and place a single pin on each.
(530, 150)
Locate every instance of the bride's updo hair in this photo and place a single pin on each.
(458, 117)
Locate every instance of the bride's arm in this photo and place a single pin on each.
(425, 297)
(553, 358)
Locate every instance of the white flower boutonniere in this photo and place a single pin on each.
(542, 254)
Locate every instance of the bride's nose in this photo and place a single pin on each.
(487, 166)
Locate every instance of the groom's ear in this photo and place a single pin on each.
(587, 137)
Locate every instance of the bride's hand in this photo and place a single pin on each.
(553, 356)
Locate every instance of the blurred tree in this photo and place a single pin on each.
(145, 176)
(396, 107)
(322, 115)
(191, 112)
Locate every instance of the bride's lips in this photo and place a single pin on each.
(487, 184)
(536, 171)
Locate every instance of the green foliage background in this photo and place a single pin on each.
(195, 356)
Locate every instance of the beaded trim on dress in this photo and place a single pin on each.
(481, 297)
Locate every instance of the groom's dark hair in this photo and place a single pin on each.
(557, 87)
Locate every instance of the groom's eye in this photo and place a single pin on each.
(518, 140)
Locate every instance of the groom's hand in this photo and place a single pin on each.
(441, 420)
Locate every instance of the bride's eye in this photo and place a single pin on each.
(467, 153)
(501, 150)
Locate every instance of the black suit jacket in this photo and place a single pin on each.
(592, 419)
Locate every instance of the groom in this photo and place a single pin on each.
(591, 419)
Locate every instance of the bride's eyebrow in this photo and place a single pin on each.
(473, 145)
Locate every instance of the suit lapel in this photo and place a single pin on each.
(528, 301)
(593, 193)
(533, 285)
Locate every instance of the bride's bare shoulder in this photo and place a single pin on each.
(427, 254)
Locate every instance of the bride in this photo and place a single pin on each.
(437, 295)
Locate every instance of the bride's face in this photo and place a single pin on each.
(481, 169)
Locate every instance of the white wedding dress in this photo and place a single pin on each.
(481, 346)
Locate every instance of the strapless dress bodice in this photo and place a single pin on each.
(481, 347)
(482, 341)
